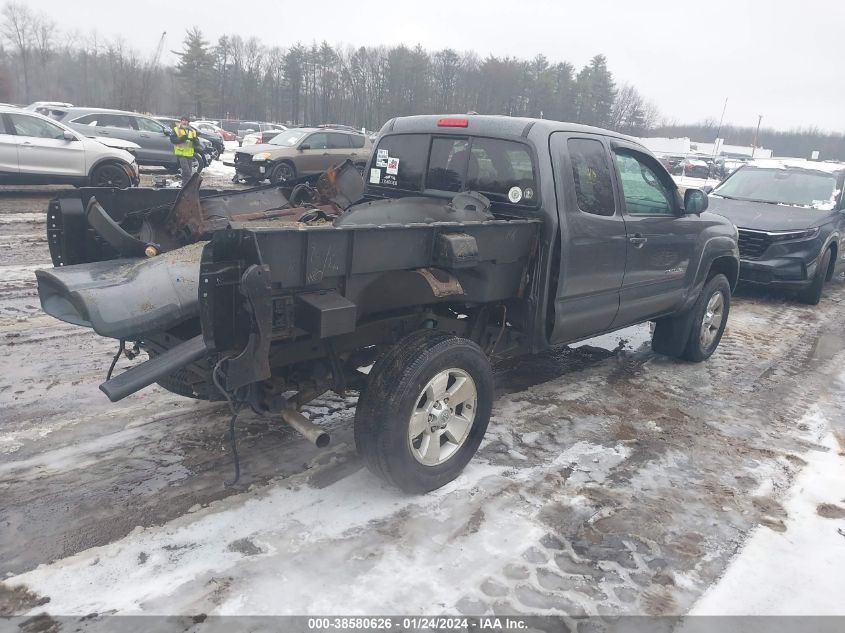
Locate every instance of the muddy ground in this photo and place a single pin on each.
(611, 480)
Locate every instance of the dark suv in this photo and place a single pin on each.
(791, 219)
(152, 136)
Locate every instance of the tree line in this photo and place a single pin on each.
(297, 83)
(301, 84)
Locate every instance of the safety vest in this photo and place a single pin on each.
(187, 147)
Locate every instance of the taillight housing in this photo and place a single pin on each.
(451, 122)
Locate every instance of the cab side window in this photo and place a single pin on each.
(644, 193)
(592, 175)
(38, 128)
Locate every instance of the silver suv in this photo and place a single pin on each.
(37, 150)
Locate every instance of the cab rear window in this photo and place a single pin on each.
(500, 169)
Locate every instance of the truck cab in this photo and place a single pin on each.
(620, 243)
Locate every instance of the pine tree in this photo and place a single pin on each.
(596, 92)
(604, 90)
(194, 69)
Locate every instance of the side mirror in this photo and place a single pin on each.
(695, 201)
(304, 146)
(707, 189)
(69, 136)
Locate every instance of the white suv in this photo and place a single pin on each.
(37, 150)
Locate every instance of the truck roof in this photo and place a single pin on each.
(494, 125)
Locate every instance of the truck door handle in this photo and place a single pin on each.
(638, 240)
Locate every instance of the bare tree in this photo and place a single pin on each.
(18, 31)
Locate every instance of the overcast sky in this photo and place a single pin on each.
(784, 59)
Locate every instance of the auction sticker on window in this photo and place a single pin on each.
(381, 158)
(515, 194)
(392, 166)
(375, 176)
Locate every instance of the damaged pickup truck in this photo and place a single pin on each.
(471, 239)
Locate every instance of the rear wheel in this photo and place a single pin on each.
(110, 175)
(282, 172)
(425, 410)
(813, 293)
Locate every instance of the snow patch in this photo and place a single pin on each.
(21, 273)
(15, 218)
(800, 571)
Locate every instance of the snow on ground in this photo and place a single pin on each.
(800, 570)
(29, 218)
(611, 481)
(632, 338)
(218, 170)
(324, 549)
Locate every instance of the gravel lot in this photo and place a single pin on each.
(611, 481)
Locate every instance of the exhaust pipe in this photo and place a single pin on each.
(306, 428)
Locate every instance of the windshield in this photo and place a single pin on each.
(288, 138)
(795, 187)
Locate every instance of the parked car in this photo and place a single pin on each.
(725, 166)
(52, 109)
(299, 152)
(250, 127)
(215, 147)
(475, 238)
(152, 136)
(338, 126)
(791, 219)
(212, 127)
(259, 138)
(693, 168)
(34, 149)
(670, 162)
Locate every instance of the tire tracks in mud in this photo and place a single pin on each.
(706, 466)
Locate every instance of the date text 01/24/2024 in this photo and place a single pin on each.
(417, 623)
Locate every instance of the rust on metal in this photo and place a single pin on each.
(442, 283)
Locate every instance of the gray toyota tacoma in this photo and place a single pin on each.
(471, 239)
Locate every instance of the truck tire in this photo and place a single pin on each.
(425, 410)
(709, 318)
(813, 293)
